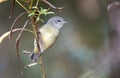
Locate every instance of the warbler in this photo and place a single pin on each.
(49, 33)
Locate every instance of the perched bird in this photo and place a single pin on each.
(49, 33)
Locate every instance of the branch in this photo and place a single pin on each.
(17, 45)
(52, 6)
(37, 2)
(5, 35)
(13, 24)
(38, 49)
(12, 8)
(42, 67)
(22, 6)
(36, 33)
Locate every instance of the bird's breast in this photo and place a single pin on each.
(48, 35)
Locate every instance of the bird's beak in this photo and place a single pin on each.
(65, 22)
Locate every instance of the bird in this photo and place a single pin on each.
(49, 33)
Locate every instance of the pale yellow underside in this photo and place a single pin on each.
(48, 35)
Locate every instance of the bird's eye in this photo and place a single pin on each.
(59, 20)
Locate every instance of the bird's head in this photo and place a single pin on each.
(56, 21)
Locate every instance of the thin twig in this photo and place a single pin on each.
(38, 51)
(26, 52)
(1, 1)
(42, 67)
(36, 33)
(22, 6)
(13, 24)
(31, 4)
(52, 6)
(12, 8)
(37, 2)
(5, 35)
(17, 45)
(30, 65)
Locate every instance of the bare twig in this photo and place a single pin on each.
(52, 6)
(22, 6)
(31, 4)
(17, 45)
(30, 65)
(37, 2)
(38, 51)
(42, 67)
(36, 33)
(12, 8)
(10, 36)
(2, 1)
(5, 35)
(26, 52)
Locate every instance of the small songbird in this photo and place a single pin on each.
(49, 33)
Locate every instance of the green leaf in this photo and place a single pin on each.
(31, 14)
(50, 12)
(41, 20)
(45, 11)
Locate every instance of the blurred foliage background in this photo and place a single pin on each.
(80, 44)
